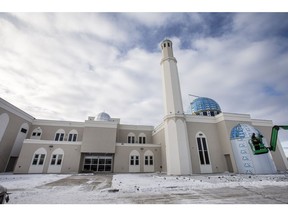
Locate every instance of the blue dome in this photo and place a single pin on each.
(205, 106)
(103, 117)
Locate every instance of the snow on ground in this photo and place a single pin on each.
(145, 188)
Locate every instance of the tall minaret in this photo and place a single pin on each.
(176, 137)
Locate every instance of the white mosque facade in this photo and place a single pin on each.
(206, 141)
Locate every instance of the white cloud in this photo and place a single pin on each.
(70, 66)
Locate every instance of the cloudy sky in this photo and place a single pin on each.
(68, 66)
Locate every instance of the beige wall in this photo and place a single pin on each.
(121, 159)
(214, 147)
(49, 132)
(122, 135)
(70, 163)
(9, 137)
(159, 138)
(99, 139)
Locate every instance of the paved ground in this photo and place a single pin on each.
(153, 189)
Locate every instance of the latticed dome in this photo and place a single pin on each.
(205, 106)
(103, 117)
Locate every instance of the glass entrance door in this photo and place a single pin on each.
(97, 164)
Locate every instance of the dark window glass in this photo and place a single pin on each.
(146, 160)
(136, 160)
(206, 157)
(34, 134)
(132, 160)
(23, 130)
(101, 168)
(59, 160)
(70, 137)
(129, 139)
(151, 160)
(133, 139)
(201, 157)
(87, 161)
(53, 161)
(74, 137)
(144, 140)
(35, 160)
(61, 137)
(140, 139)
(108, 161)
(199, 144)
(57, 136)
(204, 144)
(101, 161)
(41, 161)
(108, 168)
(38, 134)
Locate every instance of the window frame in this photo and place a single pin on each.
(203, 151)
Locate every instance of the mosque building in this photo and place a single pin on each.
(206, 141)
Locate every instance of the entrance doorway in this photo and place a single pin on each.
(97, 163)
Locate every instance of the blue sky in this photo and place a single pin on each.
(68, 66)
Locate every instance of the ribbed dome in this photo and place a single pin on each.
(205, 106)
(103, 117)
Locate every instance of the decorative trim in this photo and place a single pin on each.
(136, 127)
(15, 110)
(42, 122)
(137, 145)
(50, 142)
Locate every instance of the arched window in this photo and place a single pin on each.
(148, 161)
(142, 138)
(202, 149)
(59, 136)
(36, 133)
(57, 157)
(72, 136)
(134, 161)
(131, 138)
(38, 161)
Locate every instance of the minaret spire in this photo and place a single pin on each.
(176, 138)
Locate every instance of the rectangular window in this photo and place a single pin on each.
(61, 137)
(59, 159)
(142, 140)
(35, 160)
(38, 134)
(41, 161)
(151, 160)
(136, 160)
(34, 134)
(74, 137)
(70, 137)
(131, 139)
(23, 130)
(132, 160)
(203, 151)
(57, 136)
(53, 160)
(146, 160)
